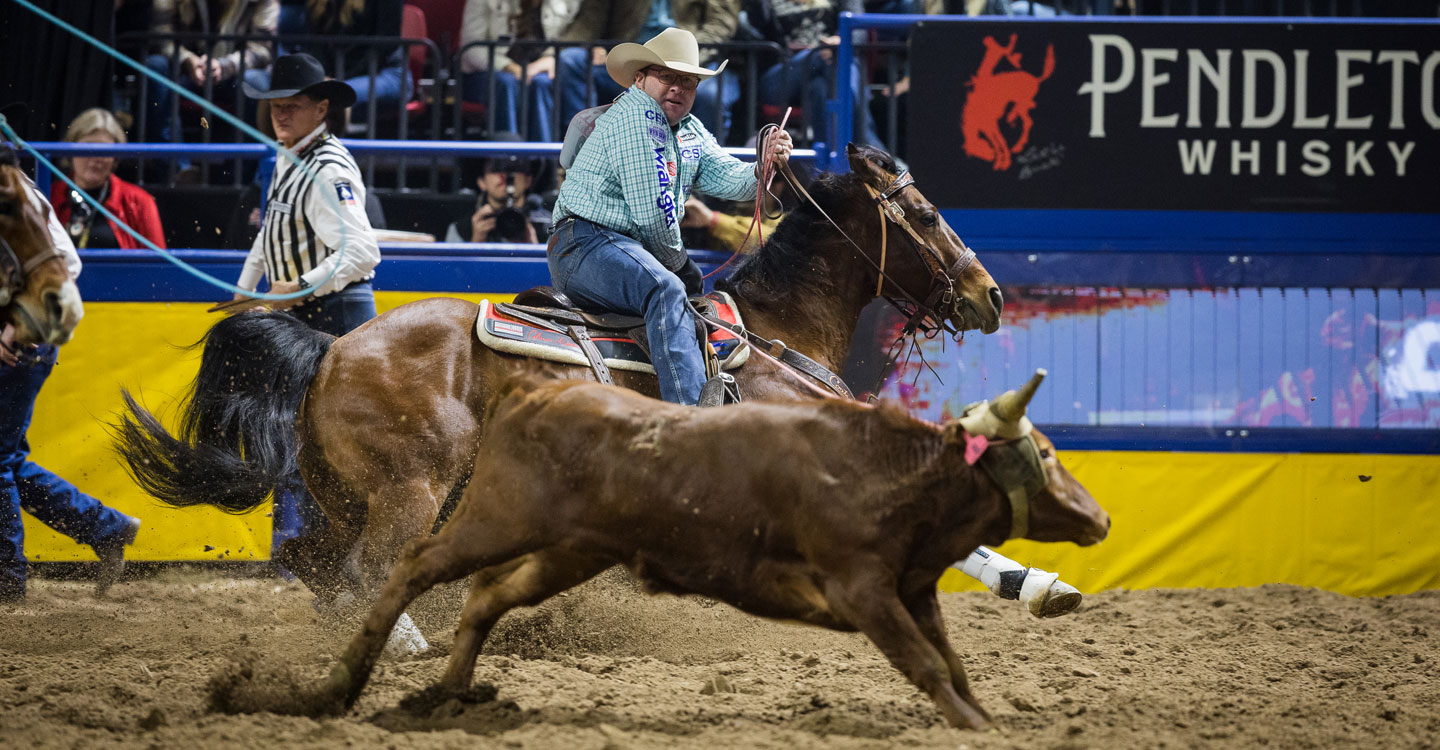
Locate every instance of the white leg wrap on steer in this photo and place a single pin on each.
(998, 573)
(405, 639)
(1045, 595)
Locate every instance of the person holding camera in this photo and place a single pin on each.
(509, 208)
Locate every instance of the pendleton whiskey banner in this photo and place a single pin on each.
(1170, 115)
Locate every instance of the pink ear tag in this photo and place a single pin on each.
(974, 446)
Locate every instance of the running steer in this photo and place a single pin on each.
(839, 514)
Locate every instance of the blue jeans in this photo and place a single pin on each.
(605, 270)
(24, 485)
(713, 101)
(507, 102)
(806, 80)
(570, 70)
(159, 128)
(391, 87)
(338, 313)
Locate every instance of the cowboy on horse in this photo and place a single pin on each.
(616, 245)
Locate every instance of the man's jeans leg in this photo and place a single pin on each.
(157, 115)
(476, 87)
(340, 312)
(608, 271)
(714, 100)
(571, 67)
(25, 485)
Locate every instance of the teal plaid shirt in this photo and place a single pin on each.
(635, 171)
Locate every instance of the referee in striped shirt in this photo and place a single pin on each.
(299, 245)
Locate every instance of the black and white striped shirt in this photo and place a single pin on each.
(301, 233)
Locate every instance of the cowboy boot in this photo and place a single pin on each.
(111, 553)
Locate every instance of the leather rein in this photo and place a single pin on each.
(939, 297)
(929, 316)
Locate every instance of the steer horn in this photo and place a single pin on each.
(1010, 405)
(1003, 418)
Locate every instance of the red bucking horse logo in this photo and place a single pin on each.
(996, 97)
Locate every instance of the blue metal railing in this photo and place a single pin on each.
(359, 147)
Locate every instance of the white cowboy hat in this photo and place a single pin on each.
(672, 48)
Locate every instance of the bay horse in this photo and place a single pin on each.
(384, 423)
(37, 296)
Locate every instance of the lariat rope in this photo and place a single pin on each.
(765, 174)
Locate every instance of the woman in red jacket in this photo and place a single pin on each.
(96, 175)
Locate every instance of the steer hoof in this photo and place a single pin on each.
(1045, 595)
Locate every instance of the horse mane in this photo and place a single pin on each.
(788, 258)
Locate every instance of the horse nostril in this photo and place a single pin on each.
(997, 299)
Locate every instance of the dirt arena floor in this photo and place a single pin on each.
(606, 667)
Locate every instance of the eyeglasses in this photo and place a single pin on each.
(671, 78)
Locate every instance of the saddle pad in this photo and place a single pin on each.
(620, 352)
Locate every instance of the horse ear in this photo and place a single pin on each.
(864, 163)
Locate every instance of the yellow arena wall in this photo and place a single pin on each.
(1357, 524)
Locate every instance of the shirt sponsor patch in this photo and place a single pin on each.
(281, 207)
(657, 134)
(661, 173)
(666, 203)
(670, 167)
(345, 194)
(690, 153)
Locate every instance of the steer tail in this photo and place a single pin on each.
(236, 440)
(1049, 64)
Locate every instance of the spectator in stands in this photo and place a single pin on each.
(808, 29)
(509, 208)
(25, 485)
(218, 64)
(391, 85)
(710, 21)
(96, 175)
(523, 21)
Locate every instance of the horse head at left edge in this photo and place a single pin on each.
(37, 295)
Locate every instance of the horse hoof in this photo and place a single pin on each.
(1045, 595)
(405, 639)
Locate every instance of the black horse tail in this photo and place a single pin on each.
(236, 441)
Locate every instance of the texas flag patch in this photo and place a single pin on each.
(345, 194)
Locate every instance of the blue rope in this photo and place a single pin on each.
(226, 116)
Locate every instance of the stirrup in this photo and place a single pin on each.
(1045, 595)
(712, 393)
